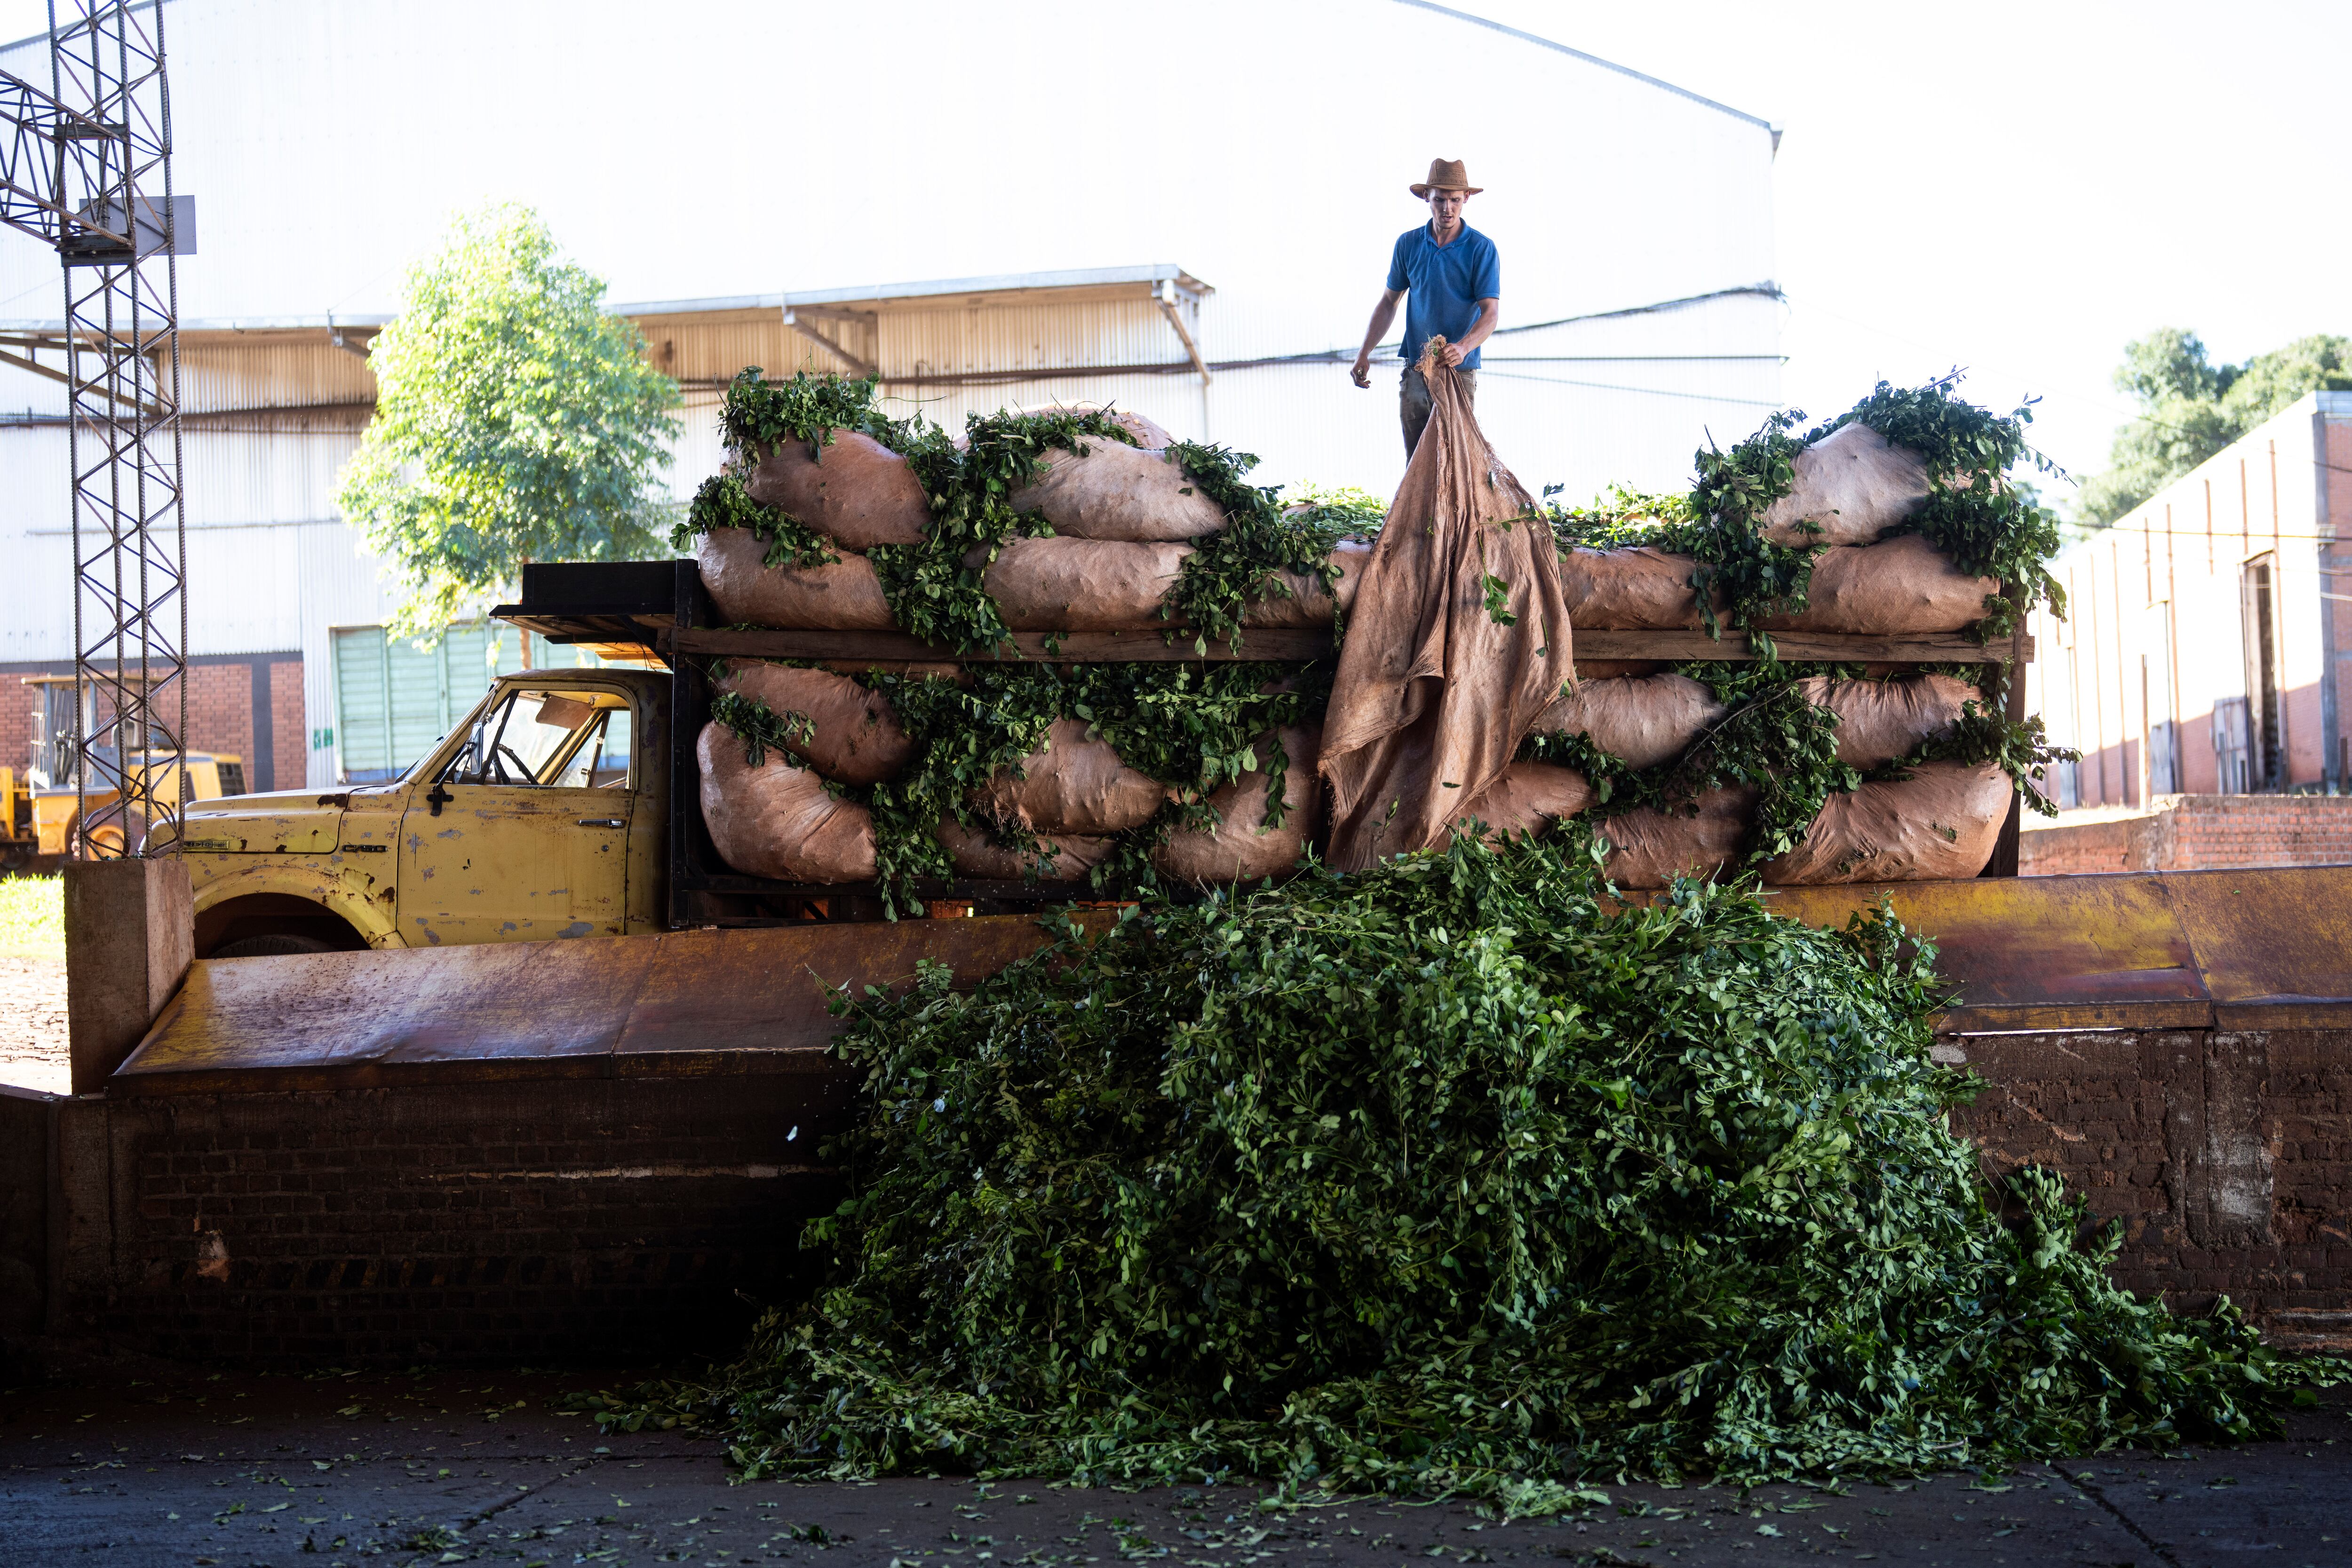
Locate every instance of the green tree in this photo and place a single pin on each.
(515, 421)
(2189, 408)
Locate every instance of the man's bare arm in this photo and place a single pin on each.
(1490, 316)
(1383, 317)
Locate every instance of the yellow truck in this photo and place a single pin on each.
(543, 815)
(544, 812)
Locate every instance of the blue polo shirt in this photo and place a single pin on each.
(1443, 284)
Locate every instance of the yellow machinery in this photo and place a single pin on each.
(43, 821)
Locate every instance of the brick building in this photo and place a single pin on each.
(2206, 630)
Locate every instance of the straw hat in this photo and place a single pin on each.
(1444, 175)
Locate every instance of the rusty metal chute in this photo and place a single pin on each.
(2247, 949)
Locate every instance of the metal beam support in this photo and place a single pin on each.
(86, 167)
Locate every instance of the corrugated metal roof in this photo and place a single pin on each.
(881, 293)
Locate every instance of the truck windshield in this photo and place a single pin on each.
(564, 740)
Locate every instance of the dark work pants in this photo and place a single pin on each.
(1412, 403)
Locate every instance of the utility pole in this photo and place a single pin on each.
(86, 167)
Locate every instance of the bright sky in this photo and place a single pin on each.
(2013, 187)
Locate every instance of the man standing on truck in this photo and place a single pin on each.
(1455, 280)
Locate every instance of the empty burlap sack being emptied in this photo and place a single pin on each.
(1641, 721)
(1460, 641)
(843, 595)
(855, 736)
(777, 819)
(1117, 491)
(1650, 848)
(1076, 784)
(853, 489)
(1242, 847)
(1939, 823)
(1852, 483)
(1063, 858)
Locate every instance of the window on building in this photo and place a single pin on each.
(394, 702)
(2265, 722)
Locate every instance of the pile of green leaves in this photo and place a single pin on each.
(1191, 727)
(1445, 1177)
(1776, 742)
(935, 589)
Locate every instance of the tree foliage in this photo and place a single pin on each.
(2189, 408)
(515, 421)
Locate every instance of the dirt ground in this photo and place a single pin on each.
(176, 1466)
(33, 1024)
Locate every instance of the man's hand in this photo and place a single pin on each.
(1382, 314)
(1453, 354)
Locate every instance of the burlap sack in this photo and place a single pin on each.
(1147, 433)
(1433, 694)
(1083, 585)
(1641, 721)
(1308, 603)
(1939, 823)
(1637, 589)
(1118, 491)
(1241, 848)
(776, 820)
(856, 737)
(854, 491)
(1854, 484)
(1063, 858)
(844, 595)
(1528, 798)
(1903, 585)
(1879, 721)
(1650, 848)
(1076, 784)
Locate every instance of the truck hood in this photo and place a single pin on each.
(294, 821)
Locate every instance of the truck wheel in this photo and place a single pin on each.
(269, 943)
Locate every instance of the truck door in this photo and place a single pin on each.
(523, 834)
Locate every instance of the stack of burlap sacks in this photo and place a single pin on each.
(1070, 796)
(1123, 517)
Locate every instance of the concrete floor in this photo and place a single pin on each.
(165, 1464)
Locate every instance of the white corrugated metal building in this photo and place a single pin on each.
(327, 142)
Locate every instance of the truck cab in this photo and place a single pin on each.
(543, 815)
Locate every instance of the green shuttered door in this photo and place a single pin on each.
(393, 700)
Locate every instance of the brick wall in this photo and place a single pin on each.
(2227, 1156)
(522, 1220)
(2192, 833)
(221, 704)
(634, 1216)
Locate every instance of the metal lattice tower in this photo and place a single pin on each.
(86, 166)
